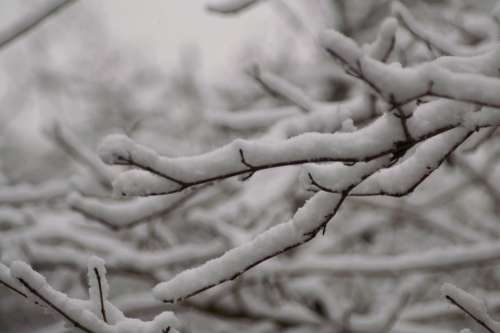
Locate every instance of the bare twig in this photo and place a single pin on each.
(101, 297)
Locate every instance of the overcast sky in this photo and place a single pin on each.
(164, 27)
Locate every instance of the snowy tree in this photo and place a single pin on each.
(352, 180)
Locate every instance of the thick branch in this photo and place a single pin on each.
(380, 138)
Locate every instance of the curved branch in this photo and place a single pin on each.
(400, 179)
(31, 22)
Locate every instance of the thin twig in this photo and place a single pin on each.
(101, 296)
(57, 309)
(464, 309)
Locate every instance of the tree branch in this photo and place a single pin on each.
(30, 22)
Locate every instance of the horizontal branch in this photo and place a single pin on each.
(164, 175)
(401, 179)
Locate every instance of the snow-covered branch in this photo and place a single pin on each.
(472, 306)
(97, 315)
(232, 220)
(163, 175)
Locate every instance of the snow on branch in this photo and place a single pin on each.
(169, 175)
(96, 315)
(472, 306)
(328, 118)
(305, 224)
(163, 175)
(402, 178)
(386, 139)
(402, 146)
(400, 86)
(309, 219)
